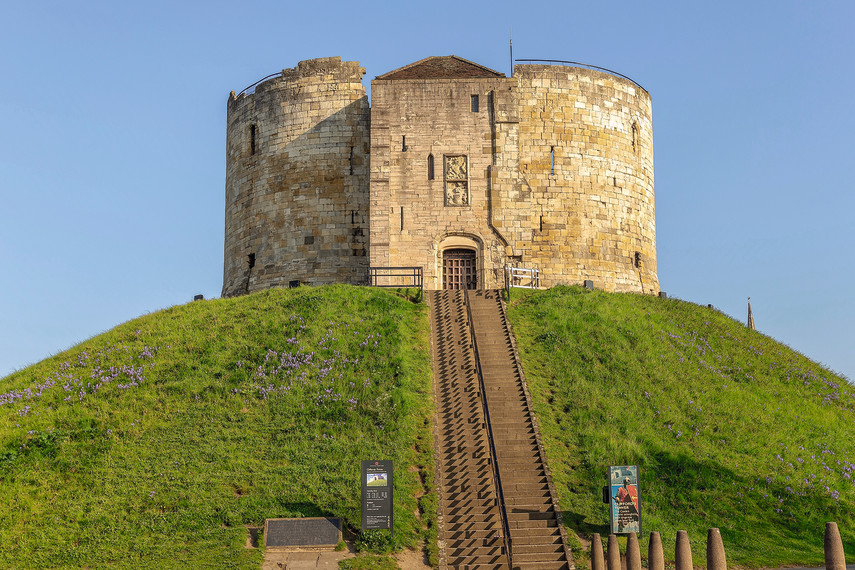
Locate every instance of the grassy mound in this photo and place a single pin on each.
(158, 442)
(730, 428)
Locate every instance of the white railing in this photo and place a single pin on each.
(522, 278)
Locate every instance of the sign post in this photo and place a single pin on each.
(624, 499)
(377, 511)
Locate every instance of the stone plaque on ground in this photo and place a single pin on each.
(317, 532)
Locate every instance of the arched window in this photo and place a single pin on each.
(430, 167)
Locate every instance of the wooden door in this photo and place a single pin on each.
(459, 269)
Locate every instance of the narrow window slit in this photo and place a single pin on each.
(252, 129)
(402, 218)
(552, 160)
(351, 160)
(404, 143)
(430, 167)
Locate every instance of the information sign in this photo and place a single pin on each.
(625, 501)
(377, 494)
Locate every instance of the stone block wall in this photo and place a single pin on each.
(297, 179)
(549, 169)
(560, 176)
(574, 182)
(413, 217)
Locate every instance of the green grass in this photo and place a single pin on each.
(730, 428)
(159, 441)
(369, 562)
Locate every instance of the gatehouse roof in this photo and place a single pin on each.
(442, 67)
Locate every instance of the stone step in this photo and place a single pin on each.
(475, 552)
(479, 563)
(533, 516)
(523, 501)
(471, 543)
(473, 520)
(541, 565)
(547, 535)
(488, 524)
(538, 557)
(547, 549)
(531, 526)
(470, 534)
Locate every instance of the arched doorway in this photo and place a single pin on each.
(459, 269)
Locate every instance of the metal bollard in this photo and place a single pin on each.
(597, 561)
(633, 553)
(655, 555)
(715, 551)
(682, 552)
(834, 557)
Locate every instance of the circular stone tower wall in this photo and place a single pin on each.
(586, 156)
(297, 179)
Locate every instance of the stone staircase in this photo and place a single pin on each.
(496, 500)
(470, 523)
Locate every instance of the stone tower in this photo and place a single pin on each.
(549, 169)
(297, 179)
(470, 171)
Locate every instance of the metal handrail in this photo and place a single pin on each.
(585, 65)
(414, 274)
(512, 274)
(245, 89)
(493, 456)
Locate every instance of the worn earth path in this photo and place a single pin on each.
(308, 560)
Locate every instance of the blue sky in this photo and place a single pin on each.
(112, 162)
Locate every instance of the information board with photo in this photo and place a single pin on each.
(625, 501)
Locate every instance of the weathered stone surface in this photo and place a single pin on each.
(655, 554)
(633, 553)
(682, 552)
(835, 558)
(297, 195)
(613, 553)
(549, 169)
(597, 560)
(716, 559)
